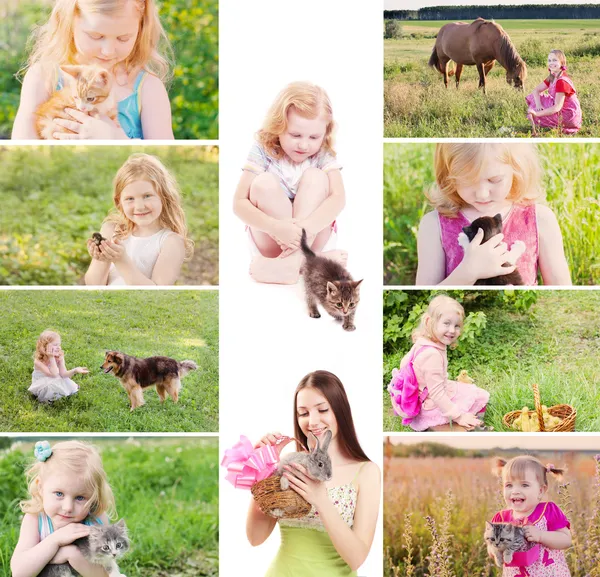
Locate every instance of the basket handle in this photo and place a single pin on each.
(285, 440)
(538, 406)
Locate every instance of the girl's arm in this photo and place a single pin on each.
(552, 262)
(245, 210)
(559, 101)
(258, 525)
(33, 93)
(560, 539)
(156, 110)
(83, 566)
(541, 87)
(49, 371)
(430, 367)
(431, 268)
(328, 211)
(97, 273)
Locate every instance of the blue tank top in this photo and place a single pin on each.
(129, 109)
(46, 528)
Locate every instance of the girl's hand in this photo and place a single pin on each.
(485, 260)
(80, 371)
(67, 534)
(88, 127)
(272, 439)
(60, 354)
(113, 251)
(468, 421)
(532, 534)
(312, 491)
(534, 112)
(287, 234)
(63, 555)
(94, 250)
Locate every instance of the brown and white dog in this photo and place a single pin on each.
(137, 374)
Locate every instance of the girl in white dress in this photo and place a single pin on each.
(145, 239)
(50, 379)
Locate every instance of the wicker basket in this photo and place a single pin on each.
(566, 413)
(277, 503)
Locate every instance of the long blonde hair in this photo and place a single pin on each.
(309, 101)
(140, 166)
(84, 461)
(516, 468)
(52, 43)
(437, 306)
(462, 161)
(43, 341)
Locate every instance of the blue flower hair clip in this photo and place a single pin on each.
(42, 451)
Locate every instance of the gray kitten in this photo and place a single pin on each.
(102, 546)
(328, 283)
(503, 540)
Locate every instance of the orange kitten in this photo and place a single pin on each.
(86, 88)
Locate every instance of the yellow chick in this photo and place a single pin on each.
(463, 377)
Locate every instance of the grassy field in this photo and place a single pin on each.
(570, 178)
(454, 497)
(165, 489)
(179, 324)
(556, 346)
(418, 105)
(54, 198)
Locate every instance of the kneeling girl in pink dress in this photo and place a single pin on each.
(559, 108)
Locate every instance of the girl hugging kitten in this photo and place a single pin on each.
(68, 494)
(50, 379)
(103, 38)
(145, 241)
(524, 484)
(291, 181)
(475, 180)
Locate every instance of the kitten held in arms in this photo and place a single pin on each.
(492, 226)
(86, 88)
(328, 283)
(504, 540)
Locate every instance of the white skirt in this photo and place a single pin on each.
(47, 389)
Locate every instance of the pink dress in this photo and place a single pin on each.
(443, 400)
(519, 224)
(569, 118)
(551, 562)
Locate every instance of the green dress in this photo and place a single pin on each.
(306, 549)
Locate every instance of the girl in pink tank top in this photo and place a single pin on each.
(485, 179)
(559, 108)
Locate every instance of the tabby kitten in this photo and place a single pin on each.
(330, 284)
(504, 540)
(86, 88)
(492, 226)
(102, 546)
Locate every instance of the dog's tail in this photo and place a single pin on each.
(308, 253)
(186, 366)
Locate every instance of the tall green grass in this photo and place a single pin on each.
(571, 173)
(143, 323)
(165, 489)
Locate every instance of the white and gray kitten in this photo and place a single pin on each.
(504, 540)
(103, 546)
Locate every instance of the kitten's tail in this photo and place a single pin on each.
(308, 253)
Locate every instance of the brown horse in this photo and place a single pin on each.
(481, 43)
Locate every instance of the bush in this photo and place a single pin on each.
(392, 29)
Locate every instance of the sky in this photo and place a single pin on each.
(547, 442)
(416, 4)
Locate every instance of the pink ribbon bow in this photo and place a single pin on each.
(246, 465)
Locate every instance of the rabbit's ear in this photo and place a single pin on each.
(326, 441)
(315, 442)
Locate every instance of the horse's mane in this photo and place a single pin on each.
(508, 52)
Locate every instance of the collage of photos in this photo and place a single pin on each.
(317, 296)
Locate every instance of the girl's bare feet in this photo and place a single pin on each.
(275, 270)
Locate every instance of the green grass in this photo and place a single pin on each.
(143, 323)
(54, 198)
(165, 489)
(570, 176)
(556, 346)
(418, 105)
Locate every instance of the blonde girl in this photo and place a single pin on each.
(124, 37)
(436, 401)
(335, 537)
(559, 108)
(50, 379)
(481, 179)
(68, 492)
(291, 180)
(524, 486)
(145, 238)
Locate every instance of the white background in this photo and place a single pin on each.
(268, 341)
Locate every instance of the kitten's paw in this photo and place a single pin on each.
(463, 240)
(508, 556)
(315, 314)
(349, 328)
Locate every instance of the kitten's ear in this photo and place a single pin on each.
(498, 220)
(72, 71)
(467, 230)
(356, 284)
(488, 525)
(101, 79)
(331, 288)
(120, 523)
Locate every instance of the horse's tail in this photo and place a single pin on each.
(434, 62)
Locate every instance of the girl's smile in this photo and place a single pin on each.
(523, 496)
(314, 413)
(447, 328)
(142, 205)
